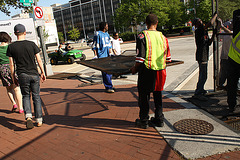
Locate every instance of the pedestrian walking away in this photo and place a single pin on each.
(13, 91)
(202, 54)
(23, 53)
(152, 54)
(102, 48)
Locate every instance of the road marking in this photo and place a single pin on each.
(181, 85)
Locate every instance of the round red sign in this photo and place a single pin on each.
(38, 12)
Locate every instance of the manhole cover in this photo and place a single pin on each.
(234, 123)
(193, 126)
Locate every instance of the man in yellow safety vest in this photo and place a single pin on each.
(233, 72)
(152, 54)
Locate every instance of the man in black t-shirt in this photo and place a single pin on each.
(202, 54)
(24, 52)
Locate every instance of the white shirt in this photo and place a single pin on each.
(116, 45)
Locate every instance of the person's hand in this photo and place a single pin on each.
(15, 81)
(43, 77)
(220, 22)
(133, 70)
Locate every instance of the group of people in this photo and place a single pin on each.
(18, 69)
(230, 60)
(153, 53)
(104, 46)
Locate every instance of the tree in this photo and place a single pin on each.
(226, 8)
(45, 34)
(175, 12)
(60, 37)
(204, 10)
(5, 6)
(132, 12)
(74, 33)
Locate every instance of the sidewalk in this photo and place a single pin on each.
(86, 123)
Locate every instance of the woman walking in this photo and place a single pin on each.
(13, 90)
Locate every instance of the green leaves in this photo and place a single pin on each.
(226, 8)
(5, 6)
(133, 12)
(74, 34)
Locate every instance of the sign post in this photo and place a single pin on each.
(38, 13)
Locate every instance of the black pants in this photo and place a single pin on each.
(232, 82)
(143, 102)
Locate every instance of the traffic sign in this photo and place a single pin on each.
(38, 12)
(26, 1)
(27, 4)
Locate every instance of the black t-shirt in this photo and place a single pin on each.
(23, 53)
(202, 43)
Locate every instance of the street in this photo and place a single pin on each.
(182, 48)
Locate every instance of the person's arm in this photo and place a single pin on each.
(95, 45)
(43, 76)
(223, 27)
(12, 69)
(212, 20)
(113, 48)
(141, 53)
(168, 58)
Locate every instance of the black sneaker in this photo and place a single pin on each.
(156, 122)
(141, 124)
(29, 123)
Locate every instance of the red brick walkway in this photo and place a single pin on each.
(84, 123)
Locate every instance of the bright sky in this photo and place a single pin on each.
(42, 3)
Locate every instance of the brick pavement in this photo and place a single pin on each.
(85, 123)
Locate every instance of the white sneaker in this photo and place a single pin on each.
(110, 91)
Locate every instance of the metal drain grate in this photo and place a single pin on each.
(193, 126)
(234, 123)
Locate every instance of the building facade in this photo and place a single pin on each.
(84, 15)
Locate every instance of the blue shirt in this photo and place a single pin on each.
(102, 44)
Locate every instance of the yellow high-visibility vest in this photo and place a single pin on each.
(156, 50)
(234, 50)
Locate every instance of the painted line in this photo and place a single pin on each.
(181, 85)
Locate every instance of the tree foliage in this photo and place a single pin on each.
(5, 6)
(204, 10)
(201, 9)
(226, 8)
(45, 34)
(74, 34)
(132, 12)
(60, 37)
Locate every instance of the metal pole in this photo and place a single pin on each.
(214, 52)
(64, 30)
(217, 56)
(93, 16)
(46, 64)
(82, 20)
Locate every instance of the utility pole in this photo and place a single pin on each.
(47, 65)
(215, 49)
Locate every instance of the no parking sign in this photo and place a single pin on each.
(38, 12)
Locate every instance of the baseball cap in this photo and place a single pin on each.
(19, 28)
